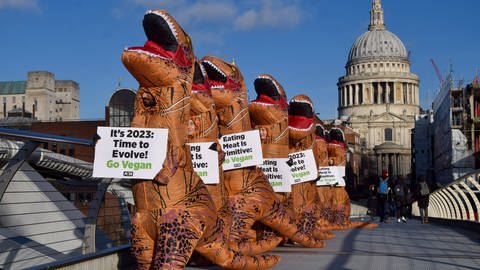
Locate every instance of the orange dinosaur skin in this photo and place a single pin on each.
(340, 201)
(251, 197)
(205, 121)
(302, 137)
(269, 111)
(175, 213)
(325, 193)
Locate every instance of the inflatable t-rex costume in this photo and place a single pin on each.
(203, 126)
(269, 112)
(251, 197)
(340, 201)
(324, 192)
(337, 157)
(301, 122)
(174, 213)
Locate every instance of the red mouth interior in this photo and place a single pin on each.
(205, 87)
(228, 85)
(179, 57)
(300, 122)
(282, 103)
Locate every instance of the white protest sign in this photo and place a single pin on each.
(303, 168)
(331, 175)
(205, 161)
(129, 152)
(241, 149)
(278, 173)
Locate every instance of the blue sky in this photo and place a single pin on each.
(302, 43)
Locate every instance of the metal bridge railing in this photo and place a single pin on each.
(51, 209)
(457, 201)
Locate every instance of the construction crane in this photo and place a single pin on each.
(437, 70)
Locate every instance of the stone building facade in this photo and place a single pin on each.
(379, 98)
(41, 97)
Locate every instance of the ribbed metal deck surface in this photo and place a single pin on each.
(391, 246)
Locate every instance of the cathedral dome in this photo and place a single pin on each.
(377, 43)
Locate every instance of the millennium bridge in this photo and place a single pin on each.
(54, 215)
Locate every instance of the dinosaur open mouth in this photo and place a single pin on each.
(336, 135)
(162, 39)
(218, 79)
(267, 87)
(268, 92)
(200, 84)
(319, 131)
(300, 114)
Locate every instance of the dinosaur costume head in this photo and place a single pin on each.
(162, 66)
(269, 112)
(168, 47)
(301, 120)
(319, 132)
(229, 94)
(337, 147)
(321, 145)
(203, 118)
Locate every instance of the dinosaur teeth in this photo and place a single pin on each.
(263, 103)
(217, 87)
(277, 87)
(147, 53)
(215, 67)
(302, 101)
(167, 19)
(300, 129)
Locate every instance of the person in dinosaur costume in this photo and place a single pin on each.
(175, 214)
(250, 196)
(325, 192)
(269, 112)
(337, 157)
(336, 147)
(203, 127)
(304, 196)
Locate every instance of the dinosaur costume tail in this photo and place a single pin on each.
(282, 221)
(214, 247)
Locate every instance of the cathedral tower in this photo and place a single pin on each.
(379, 97)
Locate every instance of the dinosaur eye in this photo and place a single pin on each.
(233, 68)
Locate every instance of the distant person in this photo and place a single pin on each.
(400, 200)
(391, 203)
(423, 198)
(408, 202)
(372, 202)
(382, 187)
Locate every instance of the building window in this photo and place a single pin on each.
(14, 99)
(388, 135)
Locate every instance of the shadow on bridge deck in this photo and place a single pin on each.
(393, 245)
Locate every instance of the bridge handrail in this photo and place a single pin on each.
(50, 208)
(458, 200)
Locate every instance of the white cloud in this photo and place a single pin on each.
(272, 14)
(242, 15)
(208, 11)
(247, 20)
(20, 4)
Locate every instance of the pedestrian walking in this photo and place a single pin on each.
(372, 202)
(423, 197)
(400, 200)
(383, 184)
